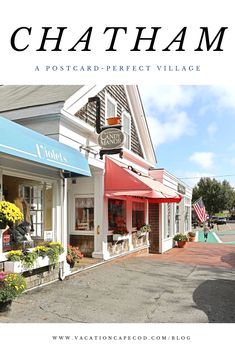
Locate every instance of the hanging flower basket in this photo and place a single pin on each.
(114, 120)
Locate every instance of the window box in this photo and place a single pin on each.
(120, 237)
(17, 267)
(141, 234)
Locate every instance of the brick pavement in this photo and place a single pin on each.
(202, 254)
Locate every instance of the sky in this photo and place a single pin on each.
(193, 130)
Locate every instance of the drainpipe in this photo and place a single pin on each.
(62, 271)
(96, 99)
(64, 220)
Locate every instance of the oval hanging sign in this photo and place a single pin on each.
(111, 138)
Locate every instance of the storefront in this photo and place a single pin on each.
(131, 195)
(117, 217)
(33, 176)
(173, 218)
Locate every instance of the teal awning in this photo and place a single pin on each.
(17, 140)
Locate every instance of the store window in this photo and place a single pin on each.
(167, 232)
(138, 215)
(186, 218)
(177, 219)
(84, 213)
(35, 201)
(117, 216)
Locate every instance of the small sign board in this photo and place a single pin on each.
(111, 138)
(48, 235)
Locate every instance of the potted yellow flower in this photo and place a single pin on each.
(11, 286)
(9, 214)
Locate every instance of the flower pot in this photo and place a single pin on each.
(192, 238)
(114, 120)
(3, 225)
(5, 306)
(181, 243)
(120, 237)
(71, 263)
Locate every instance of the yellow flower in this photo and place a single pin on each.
(10, 212)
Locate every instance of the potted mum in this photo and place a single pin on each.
(143, 230)
(73, 255)
(9, 214)
(11, 286)
(191, 236)
(181, 240)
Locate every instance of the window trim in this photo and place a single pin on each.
(127, 116)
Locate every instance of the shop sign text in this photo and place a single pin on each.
(111, 138)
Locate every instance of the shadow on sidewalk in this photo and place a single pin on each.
(230, 259)
(216, 299)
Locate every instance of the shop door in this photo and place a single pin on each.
(154, 222)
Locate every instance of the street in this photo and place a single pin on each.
(140, 289)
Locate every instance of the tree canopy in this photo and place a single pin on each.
(217, 196)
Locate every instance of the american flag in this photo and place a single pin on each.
(200, 210)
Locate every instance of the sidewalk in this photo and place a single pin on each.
(200, 253)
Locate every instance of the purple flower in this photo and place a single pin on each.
(3, 275)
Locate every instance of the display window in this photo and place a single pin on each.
(35, 201)
(117, 216)
(138, 215)
(168, 215)
(84, 213)
(187, 218)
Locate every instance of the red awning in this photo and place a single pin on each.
(123, 180)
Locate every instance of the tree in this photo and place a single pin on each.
(216, 196)
(228, 195)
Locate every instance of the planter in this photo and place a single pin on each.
(181, 243)
(120, 237)
(192, 238)
(140, 234)
(17, 266)
(3, 225)
(5, 306)
(114, 120)
(71, 263)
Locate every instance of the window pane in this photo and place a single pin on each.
(117, 215)
(111, 111)
(84, 213)
(138, 219)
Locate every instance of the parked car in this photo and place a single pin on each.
(221, 220)
(214, 219)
